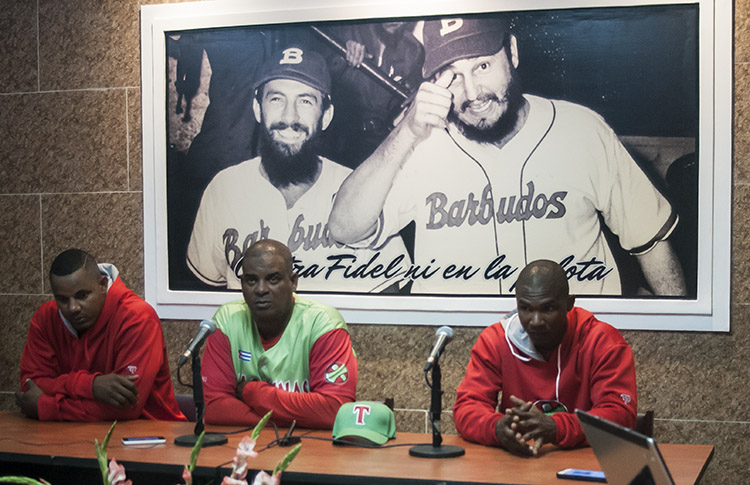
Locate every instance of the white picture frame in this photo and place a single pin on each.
(708, 310)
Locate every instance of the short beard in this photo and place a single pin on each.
(503, 126)
(285, 168)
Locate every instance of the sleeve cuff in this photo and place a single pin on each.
(493, 429)
(666, 230)
(46, 408)
(87, 386)
(559, 425)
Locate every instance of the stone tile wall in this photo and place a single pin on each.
(70, 175)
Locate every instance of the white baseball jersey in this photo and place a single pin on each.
(482, 213)
(240, 207)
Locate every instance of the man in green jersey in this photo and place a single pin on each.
(277, 351)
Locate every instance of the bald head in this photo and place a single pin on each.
(270, 247)
(543, 301)
(545, 275)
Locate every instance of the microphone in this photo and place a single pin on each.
(443, 335)
(207, 328)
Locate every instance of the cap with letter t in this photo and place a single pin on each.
(364, 423)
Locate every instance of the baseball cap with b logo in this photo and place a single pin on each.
(298, 64)
(364, 421)
(450, 39)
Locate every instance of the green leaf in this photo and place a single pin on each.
(12, 479)
(101, 457)
(101, 454)
(261, 424)
(196, 451)
(105, 443)
(287, 460)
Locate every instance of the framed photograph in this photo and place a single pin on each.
(414, 158)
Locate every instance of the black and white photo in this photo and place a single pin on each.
(443, 152)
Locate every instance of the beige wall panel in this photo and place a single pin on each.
(63, 142)
(110, 226)
(88, 44)
(21, 268)
(18, 46)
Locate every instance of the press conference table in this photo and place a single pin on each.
(36, 445)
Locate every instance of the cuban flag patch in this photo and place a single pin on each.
(245, 355)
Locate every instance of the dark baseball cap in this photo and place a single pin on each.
(298, 64)
(450, 39)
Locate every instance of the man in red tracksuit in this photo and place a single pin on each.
(547, 359)
(95, 353)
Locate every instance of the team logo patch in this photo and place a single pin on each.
(292, 55)
(449, 26)
(132, 369)
(337, 373)
(245, 355)
(626, 398)
(360, 410)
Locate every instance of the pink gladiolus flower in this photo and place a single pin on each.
(245, 450)
(116, 474)
(263, 478)
(187, 476)
(232, 481)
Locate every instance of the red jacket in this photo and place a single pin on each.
(596, 374)
(126, 339)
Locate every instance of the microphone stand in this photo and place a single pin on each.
(436, 449)
(209, 439)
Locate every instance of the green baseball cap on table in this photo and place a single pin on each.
(372, 421)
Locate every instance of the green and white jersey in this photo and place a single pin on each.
(286, 364)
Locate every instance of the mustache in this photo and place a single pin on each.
(294, 126)
(483, 98)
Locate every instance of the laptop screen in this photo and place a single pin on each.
(626, 456)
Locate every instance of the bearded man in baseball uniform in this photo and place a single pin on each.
(495, 178)
(287, 192)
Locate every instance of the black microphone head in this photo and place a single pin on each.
(445, 330)
(208, 325)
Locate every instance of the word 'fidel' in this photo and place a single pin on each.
(497, 269)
